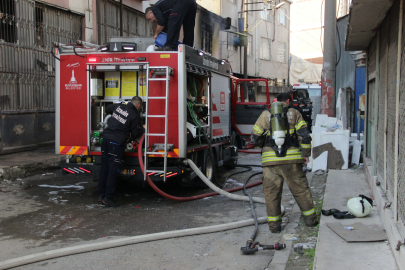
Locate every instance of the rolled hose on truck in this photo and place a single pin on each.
(47, 255)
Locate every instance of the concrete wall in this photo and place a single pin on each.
(385, 120)
(345, 69)
(265, 30)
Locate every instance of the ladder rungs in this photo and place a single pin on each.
(155, 153)
(158, 79)
(156, 97)
(155, 134)
(157, 116)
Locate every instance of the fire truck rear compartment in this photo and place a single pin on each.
(199, 103)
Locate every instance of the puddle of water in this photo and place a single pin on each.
(71, 186)
(231, 181)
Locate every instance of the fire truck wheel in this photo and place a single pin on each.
(208, 168)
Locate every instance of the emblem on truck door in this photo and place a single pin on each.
(73, 85)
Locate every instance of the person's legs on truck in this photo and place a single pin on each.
(176, 18)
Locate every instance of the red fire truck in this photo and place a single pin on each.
(187, 108)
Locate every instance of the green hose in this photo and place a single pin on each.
(190, 106)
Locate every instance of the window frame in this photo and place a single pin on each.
(282, 12)
(262, 43)
(285, 52)
(206, 28)
(230, 45)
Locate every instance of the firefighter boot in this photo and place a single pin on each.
(110, 202)
(311, 220)
(101, 198)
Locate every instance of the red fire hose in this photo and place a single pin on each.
(182, 199)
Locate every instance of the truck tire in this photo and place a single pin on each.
(209, 169)
(236, 140)
(233, 161)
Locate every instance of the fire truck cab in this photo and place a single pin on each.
(250, 97)
(186, 110)
(304, 91)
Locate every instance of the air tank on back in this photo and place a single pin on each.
(277, 124)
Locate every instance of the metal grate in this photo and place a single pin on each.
(392, 77)
(401, 146)
(384, 38)
(109, 21)
(371, 58)
(206, 37)
(27, 73)
(26, 64)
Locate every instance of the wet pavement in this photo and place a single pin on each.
(49, 211)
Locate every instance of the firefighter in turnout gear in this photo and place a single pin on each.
(284, 160)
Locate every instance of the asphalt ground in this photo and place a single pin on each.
(50, 211)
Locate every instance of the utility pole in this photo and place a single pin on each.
(328, 104)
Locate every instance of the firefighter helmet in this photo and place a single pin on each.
(360, 206)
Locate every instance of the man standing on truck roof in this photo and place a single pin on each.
(285, 164)
(124, 121)
(174, 14)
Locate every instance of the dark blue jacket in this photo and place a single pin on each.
(124, 121)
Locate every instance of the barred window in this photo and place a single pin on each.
(282, 52)
(7, 21)
(39, 25)
(265, 14)
(206, 37)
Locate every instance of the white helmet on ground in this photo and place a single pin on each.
(360, 206)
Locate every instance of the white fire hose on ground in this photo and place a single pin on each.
(47, 255)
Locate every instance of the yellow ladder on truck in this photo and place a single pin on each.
(167, 72)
